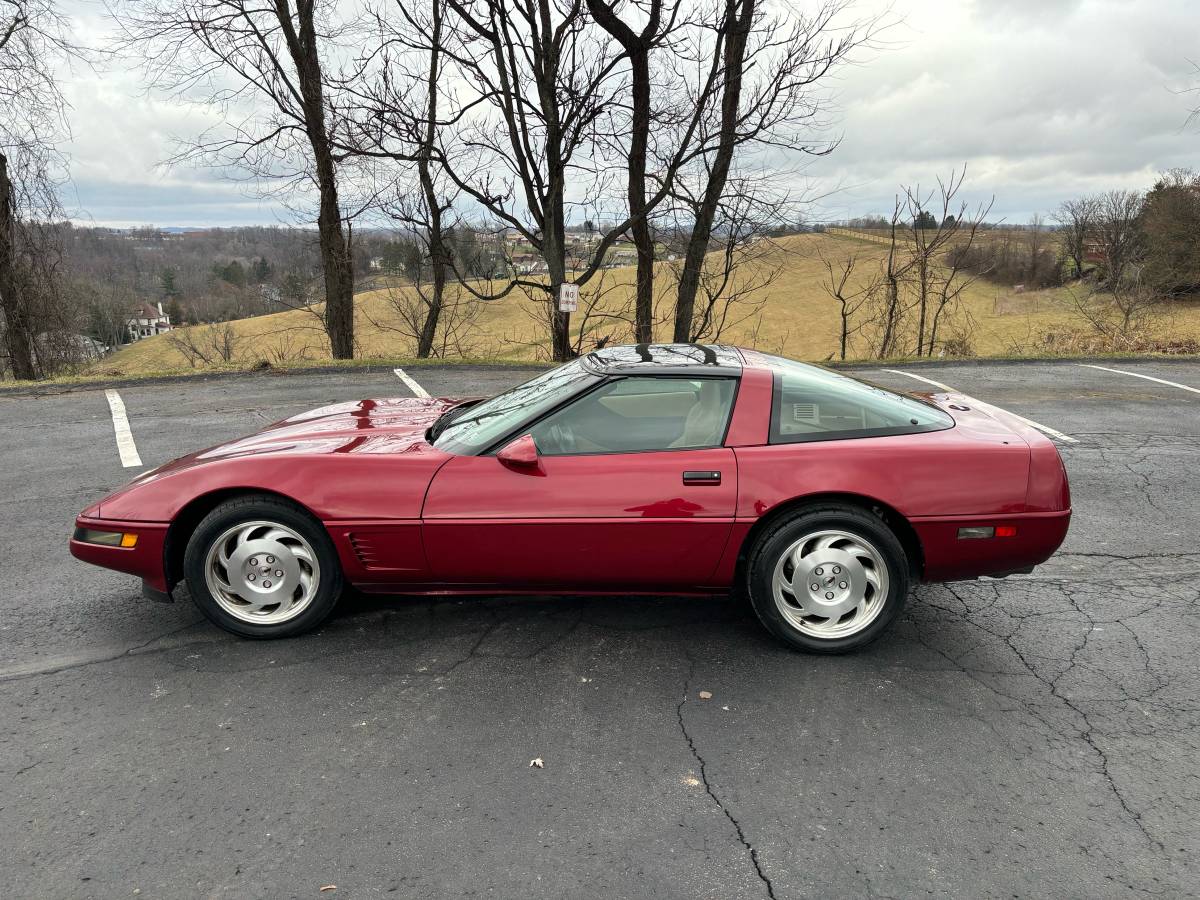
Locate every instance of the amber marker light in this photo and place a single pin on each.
(124, 539)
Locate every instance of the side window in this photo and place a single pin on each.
(635, 414)
(813, 405)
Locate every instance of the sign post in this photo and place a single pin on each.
(568, 297)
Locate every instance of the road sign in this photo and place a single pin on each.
(568, 297)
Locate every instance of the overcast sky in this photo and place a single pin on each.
(1041, 99)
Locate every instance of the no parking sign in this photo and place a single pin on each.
(568, 297)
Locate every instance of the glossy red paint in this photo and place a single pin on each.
(947, 558)
(609, 519)
(144, 560)
(520, 454)
(404, 515)
(363, 460)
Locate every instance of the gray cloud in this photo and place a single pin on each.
(1041, 99)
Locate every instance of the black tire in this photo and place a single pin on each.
(773, 543)
(250, 509)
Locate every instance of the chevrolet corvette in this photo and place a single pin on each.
(674, 468)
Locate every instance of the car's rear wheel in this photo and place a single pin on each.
(828, 579)
(262, 568)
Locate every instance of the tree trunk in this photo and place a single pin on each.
(438, 260)
(637, 48)
(17, 330)
(335, 247)
(643, 239)
(560, 322)
(737, 28)
(554, 227)
(339, 270)
(923, 289)
(438, 257)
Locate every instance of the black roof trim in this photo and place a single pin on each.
(665, 359)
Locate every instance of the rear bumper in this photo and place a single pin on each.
(947, 558)
(144, 560)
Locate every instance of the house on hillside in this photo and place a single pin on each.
(147, 321)
(1093, 250)
(528, 263)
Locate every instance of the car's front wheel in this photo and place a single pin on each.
(262, 568)
(828, 579)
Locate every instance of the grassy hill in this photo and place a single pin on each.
(798, 319)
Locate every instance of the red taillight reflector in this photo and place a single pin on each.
(1006, 531)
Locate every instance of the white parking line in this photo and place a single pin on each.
(125, 445)
(410, 383)
(1182, 387)
(1066, 438)
(944, 387)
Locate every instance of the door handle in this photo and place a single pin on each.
(702, 477)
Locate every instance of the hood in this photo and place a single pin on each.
(395, 425)
(362, 426)
(289, 449)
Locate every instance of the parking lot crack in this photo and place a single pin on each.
(1086, 729)
(25, 769)
(708, 788)
(55, 668)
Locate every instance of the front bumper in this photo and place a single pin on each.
(144, 560)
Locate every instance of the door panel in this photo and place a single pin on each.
(581, 521)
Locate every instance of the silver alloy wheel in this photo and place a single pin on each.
(830, 584)
(262, 572)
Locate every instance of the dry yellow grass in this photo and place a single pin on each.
(798, 319)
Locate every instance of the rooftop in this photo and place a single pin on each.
(689, 359)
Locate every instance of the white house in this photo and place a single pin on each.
(147, 321)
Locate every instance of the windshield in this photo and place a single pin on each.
(481, 425)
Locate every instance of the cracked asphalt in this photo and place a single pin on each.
(1031, 737)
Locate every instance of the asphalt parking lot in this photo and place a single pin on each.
(1032, 737)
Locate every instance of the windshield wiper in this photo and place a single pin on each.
(442, 422)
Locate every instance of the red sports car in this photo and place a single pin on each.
(652, 469)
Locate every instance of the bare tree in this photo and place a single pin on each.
(207, 344)
(951, 278)
(922, 275)
(1118, 235)
(276, 54)
(605, 316)
(767, 97)
(33, 38)
(886, 298)
(535, 80)
(431, 196)
(18, 332)
(1076, 219)
(396, 89)
(541, 80)
(743, 262)
(638, 46)
(109, 301)
(1118, 312)
(841, 285)
(434, 321)
(933, 286)
(1117, 305)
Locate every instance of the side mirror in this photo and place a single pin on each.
(521, 454)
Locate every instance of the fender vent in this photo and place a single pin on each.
(366, 549)
(389, 549)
